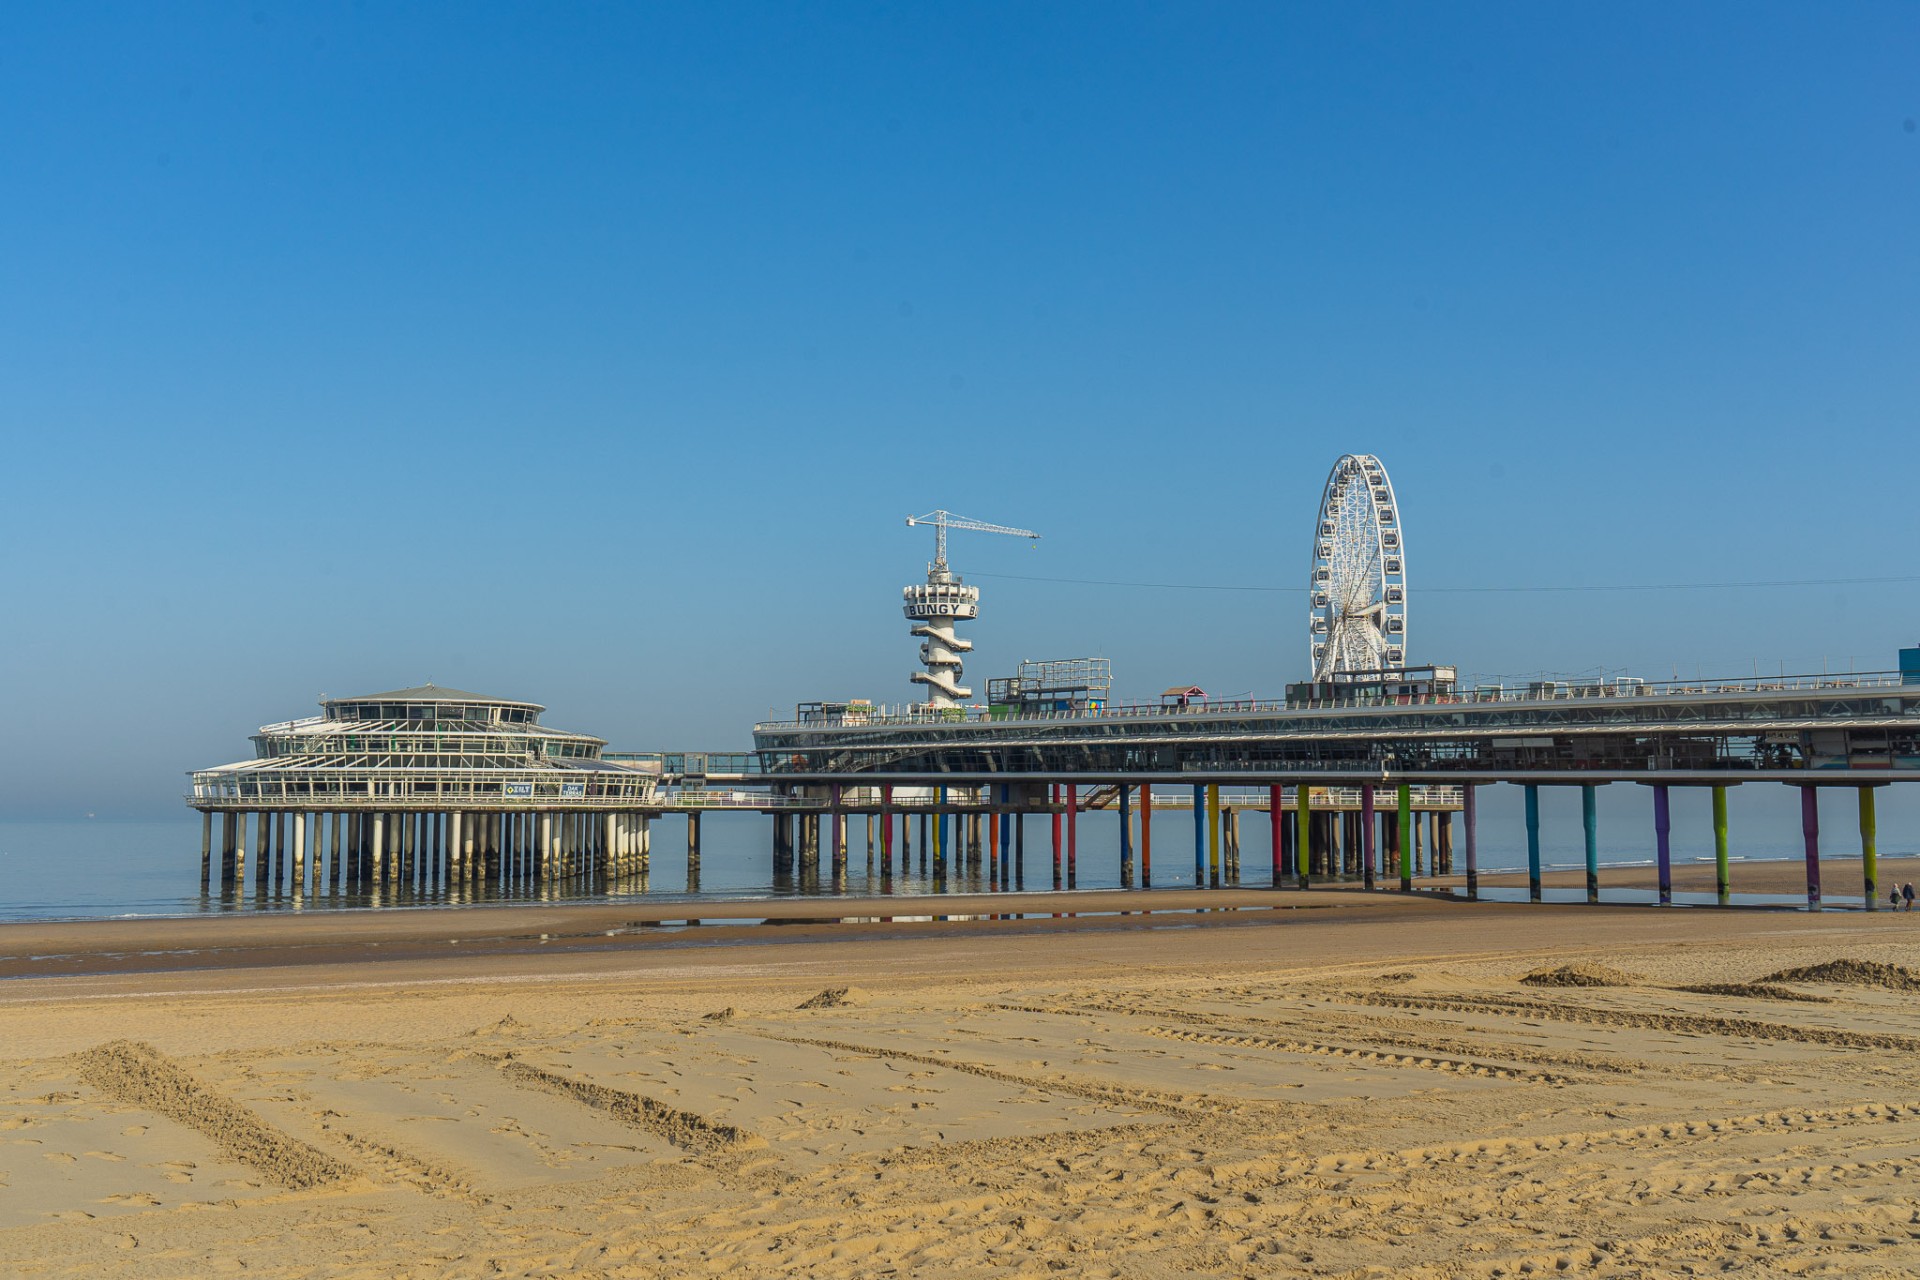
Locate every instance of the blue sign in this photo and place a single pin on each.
(573, 790)
(519, 789)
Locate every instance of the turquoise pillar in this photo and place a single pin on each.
(1590, 825)
(1533, 842)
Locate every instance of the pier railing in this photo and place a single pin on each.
(1535, 691)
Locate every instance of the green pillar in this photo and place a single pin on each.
(1303, 834)
(1406, 838)
(1720, 841)
(1869, 854)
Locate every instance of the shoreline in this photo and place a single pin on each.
(1776, 875)
(310, 946)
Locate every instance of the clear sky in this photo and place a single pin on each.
(594, 353)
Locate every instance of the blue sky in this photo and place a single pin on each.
(594, 353)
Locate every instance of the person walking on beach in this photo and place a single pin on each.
(1893, 896)
(1906, 891)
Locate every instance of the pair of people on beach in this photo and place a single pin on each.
(1902, 898)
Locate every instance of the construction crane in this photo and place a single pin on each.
(936, 607)
(944, 520)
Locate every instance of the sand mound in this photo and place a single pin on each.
(836, 997)
(1761, 990)
(141, 1075)
(505, 1027)
(1580, 975)
(1853, 973)
(727, 1014)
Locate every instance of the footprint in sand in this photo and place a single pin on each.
(133, 1131)
(59, 1157)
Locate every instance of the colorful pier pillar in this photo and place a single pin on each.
(1470, 819)
(1006, 821)
(1367, 834)
(1810, 833)
(993, 844)
(1053, 794)
(886, 828)
(940, 833)
(1663, 841)
(1199, 837)
(1722, 884)
(1303, 834)
(837, 852)
(1289, 839)
(1533, 842)
(1276, 810)
(1869, 853)
(1590, 827)
(1073, 834)
(1126, 836)
(1406, 838)
(1146, 835)
(1213, 835)
(1018, 871)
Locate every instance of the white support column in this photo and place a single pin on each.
(300, 852)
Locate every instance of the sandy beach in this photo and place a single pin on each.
(1348, 1085)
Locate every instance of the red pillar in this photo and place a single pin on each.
(993, 844)
(1146, 835)
(1053, 794)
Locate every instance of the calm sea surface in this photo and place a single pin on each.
(102, 868)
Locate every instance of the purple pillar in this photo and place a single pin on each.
(1367, 834)
(1470, 818)
(1810, 829)
(1662, 842)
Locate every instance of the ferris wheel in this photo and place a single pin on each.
(1358, 588)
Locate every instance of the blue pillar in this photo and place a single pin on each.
(1199, 837)
(1810, 833)
(1533, 842)
(1590, 823)
(1470, 819)
(1126, 836)
(1663, 841)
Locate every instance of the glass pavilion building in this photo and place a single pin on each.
(432, 785)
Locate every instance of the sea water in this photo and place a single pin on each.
(104, 867)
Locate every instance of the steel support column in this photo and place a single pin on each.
(1533, 842)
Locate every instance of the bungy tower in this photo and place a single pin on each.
(941, 604)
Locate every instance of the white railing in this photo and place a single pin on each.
(1540, 691)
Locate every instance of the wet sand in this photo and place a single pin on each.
(1840, 878)
(1349, 1085)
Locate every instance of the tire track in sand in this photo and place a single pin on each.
(687, 1130)
(1709, 1024)
(1426, 1062)
(1184, 1106)
(139, 1074)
